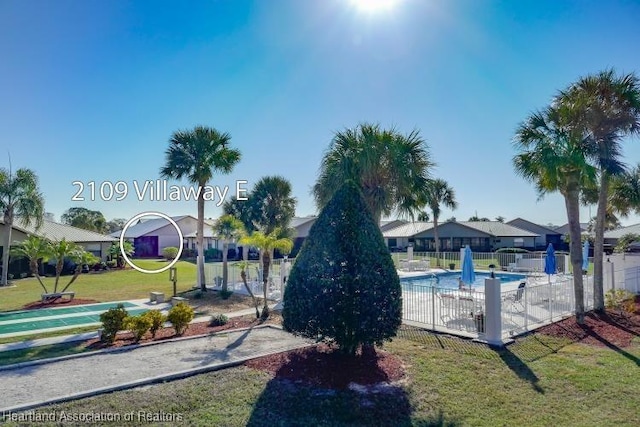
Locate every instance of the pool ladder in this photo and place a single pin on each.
(435, 278)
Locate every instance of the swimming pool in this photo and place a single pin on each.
(450, 279)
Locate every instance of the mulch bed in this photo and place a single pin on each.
(201, 328)
(325, 367)
(60, 302)
(609, 329)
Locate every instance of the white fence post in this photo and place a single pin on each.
(493, 315)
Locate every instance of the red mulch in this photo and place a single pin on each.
(604, 330)
(325, 367)
(201, 328)
(60, 302)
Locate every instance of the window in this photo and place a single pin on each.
(518, 242)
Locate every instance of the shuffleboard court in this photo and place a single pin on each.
(47, 312)
(31, 321)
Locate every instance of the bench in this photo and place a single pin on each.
(157, 297)
(176, 300)
(56, 295)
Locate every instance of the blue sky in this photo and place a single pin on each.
(92, 90)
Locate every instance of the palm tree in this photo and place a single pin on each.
(438, 193)
(623, 197)
(19, 197)
(227, 228)
(59, 251)
(244, 265)
(267, 243)
(552, 156)
(274, 205)
(423, 216)
(196, 154)
(607, 107)
(80, 257)
(33, 248)
(390, 168)
(115, 252)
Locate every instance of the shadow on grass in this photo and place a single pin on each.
(519, 367)
(590, 332)
(306, 390)
(514, 358)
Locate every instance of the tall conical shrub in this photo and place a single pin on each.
(344, 286)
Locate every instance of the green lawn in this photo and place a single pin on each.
(538, 381)
(113, 285)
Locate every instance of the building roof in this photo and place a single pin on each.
(498, 229)
(298, 221)
(391, 223)
(208, 233)
(532, 227)
(145, 227)
(616, 234)
(409, 229)
(55, 231)
(564, 229)
(492, 228)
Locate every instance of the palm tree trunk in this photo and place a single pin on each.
(437, 239)
(243, 275)
(571, 199)
(59, 265)
(598, 246)
(73, 279)
(200, 239)
(225, 268)
(265, 281)
(8, 224)
(34, 270)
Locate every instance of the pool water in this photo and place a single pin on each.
(450, 279)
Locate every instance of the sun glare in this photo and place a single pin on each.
(372, 6)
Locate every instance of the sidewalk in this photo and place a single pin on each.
(72, 377)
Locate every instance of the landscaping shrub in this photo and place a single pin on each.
(157, 319)
(218, 320)
(225, 294)
(344, 285)
(188, 253)
(620, 300)
(180, 315)
(212, 254)
(139, 325)
(170, 253)
(112, 322)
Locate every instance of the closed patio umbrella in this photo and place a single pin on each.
(468, 273)
(550, 261)
(585, 255)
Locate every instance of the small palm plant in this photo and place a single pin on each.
(244, 265)
(267, 243)
(227, 228)
(33, 248)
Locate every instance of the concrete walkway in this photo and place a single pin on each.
(44, 382)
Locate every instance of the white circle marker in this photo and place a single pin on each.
(137, 217)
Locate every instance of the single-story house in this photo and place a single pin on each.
(547, 234)
(481, 236)
(96, 243)
(151, 236)
(611, 237)
(302, 225)
(564, 229)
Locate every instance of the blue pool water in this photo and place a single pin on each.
(450, 279)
